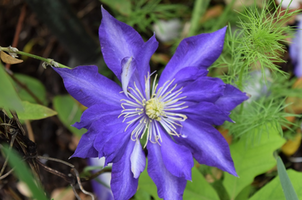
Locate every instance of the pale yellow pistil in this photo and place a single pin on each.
(154, 109)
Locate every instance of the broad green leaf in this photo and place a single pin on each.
(69, 112)
(24, 174)
(286, 184)
(251, 158)
(141, 194)
(35, 111)
(9, 98)
(122, 6)
(34, 85)
(199, 188)
(146, 184)
(273, 190)
(244, 194)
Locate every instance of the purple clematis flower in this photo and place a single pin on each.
(173, 118)
(295, 51)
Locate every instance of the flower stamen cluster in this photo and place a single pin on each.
(159, 105)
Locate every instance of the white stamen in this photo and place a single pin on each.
(158, 106)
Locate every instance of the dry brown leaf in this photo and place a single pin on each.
(63, 194)
(9, 59)
(292, 145)
(23, 189)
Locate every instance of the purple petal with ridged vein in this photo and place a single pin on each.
(207, 112)
(115, 147)
(85, 147)
(168, 185)
(123, 184)
(231, 98)
(138, 159)
(207, 145)
(110, 126)
(200, 51)
(177, 158)
(118, 40)
(190, 74)
(143, 58)
(95, 134)
(206, 89)
(95, 112)
(89, 87)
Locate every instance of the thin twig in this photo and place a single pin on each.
(7, 174)
(80, 184)
(29, 130)
(47, 61)
(75, 192)
(18, 29)
(56, 160)
(93, 176)
(55, 172)
(10, 147)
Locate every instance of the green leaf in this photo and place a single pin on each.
(273, 190)
(69, 112)
(9, 98)
(141, 194)
(146, 184)
(24, 174)
(199, 188)
(122, 6)
(251, 158)
(287, 186)
(244, 194)
(34, 85)
(35, 111)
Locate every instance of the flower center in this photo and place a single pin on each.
(154, 109)
(157, 107)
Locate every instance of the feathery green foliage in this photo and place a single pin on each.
(258, 44)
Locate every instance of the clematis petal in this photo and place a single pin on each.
(89, 87)
(143, 58)
(123, 184)
(168, 185)
(128, 68)
(207, 145)
(109, 127)
(138, 159)
(206, 89)
(118, 40)
(95, 134)
(85, 147)
(200, 51)
(115, 147)
(231, 98)
(190, 74)
(206, 112)
(95, 112)
(177, 158)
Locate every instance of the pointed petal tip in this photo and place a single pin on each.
(233, 172)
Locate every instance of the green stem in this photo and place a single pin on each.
(48, 61)
(200, 7)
